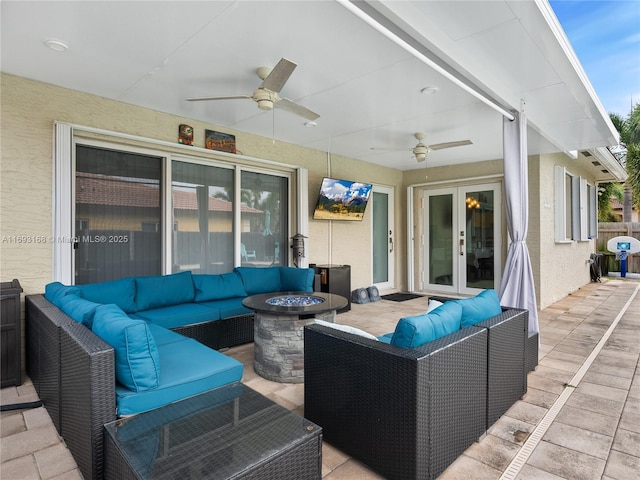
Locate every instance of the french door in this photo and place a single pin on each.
(383, 237)
(463, 240)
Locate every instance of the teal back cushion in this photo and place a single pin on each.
(296, 279)
(411, 332)
(78, 308)
(137, 359)
(218, 287)
(164, 290)
(259, 280)
(476, 309)
(55, 291)
(120, 292)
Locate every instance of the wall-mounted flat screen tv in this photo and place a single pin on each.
(342, 200)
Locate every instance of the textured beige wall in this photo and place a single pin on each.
(563, 267)
(28, 112)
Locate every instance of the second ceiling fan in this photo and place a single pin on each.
(421, 150)
(266, 95)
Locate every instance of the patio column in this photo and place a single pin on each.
(517, 288)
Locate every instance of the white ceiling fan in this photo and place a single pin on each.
(266, 95)
(421, 150)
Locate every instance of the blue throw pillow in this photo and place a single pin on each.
(259, 280)
(296, 279)
(218, 287)
(481, 307)
(121, 292)
(55, 291)
(78, 308)
(411, 332)
(137, 358)
(164, 290)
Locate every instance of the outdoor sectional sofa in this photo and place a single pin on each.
(99, 351)
(409, 411)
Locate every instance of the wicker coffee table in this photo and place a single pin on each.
(230, 432)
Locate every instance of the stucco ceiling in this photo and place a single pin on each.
(365, 87)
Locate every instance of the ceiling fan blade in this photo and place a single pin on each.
(291, 106)
(228, 97)
(440, 146)
(279, 75)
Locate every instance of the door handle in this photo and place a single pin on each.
(462, 246)
(391, 243)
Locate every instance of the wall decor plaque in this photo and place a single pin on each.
(223, 142)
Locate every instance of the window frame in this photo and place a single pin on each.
(68, 136)
(575, 211)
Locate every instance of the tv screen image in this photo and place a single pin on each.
(342, 200)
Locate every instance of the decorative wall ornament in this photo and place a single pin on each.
(185, 134)
(223, 142)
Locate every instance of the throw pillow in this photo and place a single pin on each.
(433, 304)
(78, 308)
(296, 279)
(136, 354)
(259, 280)
(411, 332)
(164, 290)
(121, 292)
(55, 291)
(218, 287)
(481, 307)
(346, 328)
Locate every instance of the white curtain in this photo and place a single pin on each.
(517, 288)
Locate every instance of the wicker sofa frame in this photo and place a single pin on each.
(72, 370)
(409, 413)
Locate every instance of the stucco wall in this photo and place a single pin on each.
(563, 266)
(29, 110)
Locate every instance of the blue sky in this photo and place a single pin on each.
(606, 38)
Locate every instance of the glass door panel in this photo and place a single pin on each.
(479, 237)
(441, 215)
(383, 238)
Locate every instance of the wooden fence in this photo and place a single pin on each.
(608, 230)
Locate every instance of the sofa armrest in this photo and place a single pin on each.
(407, 413)
(88, 396)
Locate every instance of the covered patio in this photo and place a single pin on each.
(579, 419)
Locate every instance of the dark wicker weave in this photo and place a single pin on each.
(230, 432)
(532, 351)
(43, 326)
(223, 333)
(407, 413)
(88, 396)
(506, 374)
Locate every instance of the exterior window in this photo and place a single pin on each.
(575, 207)
(264, 205)
(203, 213)
(115, 193)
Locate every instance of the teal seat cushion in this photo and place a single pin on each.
(296, 279)
(218, 287)
(164, 290)
(188, 368)
(411, 332)
(481, 307)
(119, 292)
(78, 308)
(137, 362)
(259, 280)
(163, 336)
(176, 316)
(231, 307)
(55, 291)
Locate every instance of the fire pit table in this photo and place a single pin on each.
(278, 330)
